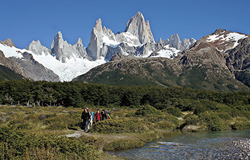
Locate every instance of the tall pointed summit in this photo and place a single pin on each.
(139, 28)
(95, 44)
(64, 51)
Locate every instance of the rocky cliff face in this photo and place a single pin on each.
(23, 63)
(238, 60)
(8, 42)
(96, 42)
(137, 40)
(37, 48)
(64, 51)
(139, 28)
(11, 64)
(34, 70)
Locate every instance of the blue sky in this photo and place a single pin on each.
(27, 20)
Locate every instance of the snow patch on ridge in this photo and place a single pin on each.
(69, 70)
(66, 71)
(228, 37)
(167, 52)
(110, 42)
(12, 51)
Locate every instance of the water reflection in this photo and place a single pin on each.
(200, 145)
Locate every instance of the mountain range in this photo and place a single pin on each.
(219, 61)
(64, 61)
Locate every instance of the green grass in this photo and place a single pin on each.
(33, 132)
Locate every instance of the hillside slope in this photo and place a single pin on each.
(217, 62)
(8, 74)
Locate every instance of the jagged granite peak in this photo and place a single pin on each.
(80, 48)
(175, 41)
(95, 44)
(102, 40)
(64, 51)
(98, 25)
(159, 41)
(186, 43)
(220, 31)
(37, 48)
(57, 42)
(57, 47)
(174, 44)
(139, 28)
(8, 42)
(137, 40)
(109, 34)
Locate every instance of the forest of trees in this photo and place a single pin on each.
(79, 94)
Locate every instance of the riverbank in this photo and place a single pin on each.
(116, 142)
(192, 145)
(41, 130)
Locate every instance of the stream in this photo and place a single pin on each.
(198, 145)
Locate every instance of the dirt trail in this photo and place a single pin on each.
(108, 137)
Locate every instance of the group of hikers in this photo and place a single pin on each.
(88, 117)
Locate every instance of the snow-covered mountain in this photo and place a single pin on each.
(221, 39)
(137, 40)
(69, 61)
(66, 71)
(22, 62)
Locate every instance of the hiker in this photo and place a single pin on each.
(108, 115)
(86, 118)
(104, 115)
(98, 116)
(92, 118)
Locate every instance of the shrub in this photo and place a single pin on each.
(165, 125)
(211, 120)
(160, 106)
(174, 111)
(172, 119)
(241, 123)
(148, 110)
(121, 126)
(15, 144)
(130, 114)
(199, 109)
(32, 117)
(209, 105)
(235, 113)
(60, 122)
(191, 119)
(224, 116)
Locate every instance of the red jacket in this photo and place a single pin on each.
(98, 116)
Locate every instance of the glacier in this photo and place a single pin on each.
(66, 71)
